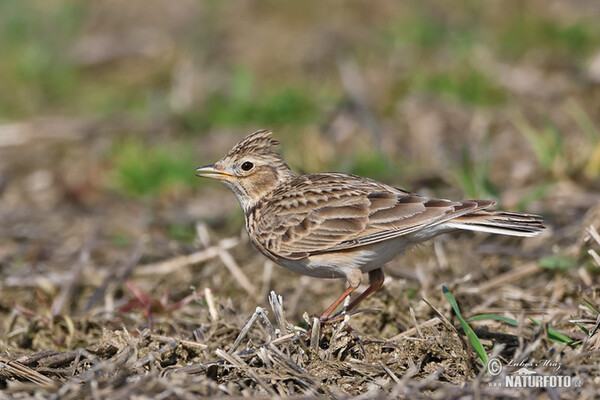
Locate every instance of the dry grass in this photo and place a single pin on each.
(214, 347)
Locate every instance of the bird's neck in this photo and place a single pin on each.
(263, 184)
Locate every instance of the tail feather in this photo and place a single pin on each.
(500, 222)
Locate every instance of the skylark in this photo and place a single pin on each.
(335, 225)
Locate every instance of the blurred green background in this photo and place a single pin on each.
(465, 98)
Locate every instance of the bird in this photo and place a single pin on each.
(337, 225)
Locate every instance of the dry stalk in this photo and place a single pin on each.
(173, 264)
(210, 301)
(237, 273)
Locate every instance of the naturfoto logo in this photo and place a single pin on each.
(526, 375)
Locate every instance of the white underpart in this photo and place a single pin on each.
(366, 258)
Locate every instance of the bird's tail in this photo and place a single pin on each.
(500, 222)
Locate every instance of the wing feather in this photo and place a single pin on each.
(329, 212)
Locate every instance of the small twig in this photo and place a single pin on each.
(584, 321)
(202, 233)
(183, 342)
(268, 325)
(410, 332)
(593, 233)
(237, 272)
(276, 303)
(260, 312)
(168, 348)
(234, 360)
(595, 256)
(390, 373)
(33, 358)
(59, 359)
(15, 369)
(510, 276)
(76, 362)
(596, 327)
(169, 266)
(54, 359)
(284, 338)
(414, 319)
(210, 301)
(440, 254)
(315, 334)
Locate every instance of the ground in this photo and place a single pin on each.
(122, 274)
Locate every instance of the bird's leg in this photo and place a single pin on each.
(376, 278)
(325, 316)
(354, 278)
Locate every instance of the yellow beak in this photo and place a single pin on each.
(209, 171)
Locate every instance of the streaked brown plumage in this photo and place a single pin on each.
(334, 225)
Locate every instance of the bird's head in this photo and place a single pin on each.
(250, 169)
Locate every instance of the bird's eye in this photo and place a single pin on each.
(247, 166)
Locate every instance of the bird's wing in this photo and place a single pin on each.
(330, 212)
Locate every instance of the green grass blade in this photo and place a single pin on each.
(558, 262)
(509, 321)
(583, 328)
(589, 305)
(554, 335)
(473, 339)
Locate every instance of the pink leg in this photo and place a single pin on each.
(336, 303)
(375, 282)
(354, 277)
(376, 278)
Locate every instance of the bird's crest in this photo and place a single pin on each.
(259, 142)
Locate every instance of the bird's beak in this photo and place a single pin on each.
(209, 171)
